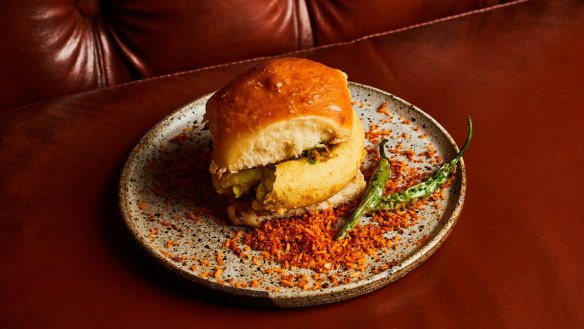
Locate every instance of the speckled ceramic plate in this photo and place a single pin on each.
(169, 205)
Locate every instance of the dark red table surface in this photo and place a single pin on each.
(514, 260)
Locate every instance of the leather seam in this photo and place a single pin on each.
(432, 22)
(102, 78)
(311, 21)
(304, 26)
(249, 60)
(297, 24)
(402, 29)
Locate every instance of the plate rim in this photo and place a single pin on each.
(266, 298)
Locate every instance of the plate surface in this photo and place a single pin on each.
(169, 205)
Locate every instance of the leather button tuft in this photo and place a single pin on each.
(89, 7)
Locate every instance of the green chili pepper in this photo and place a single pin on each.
(427, 187)
(373, 192)
(379, 202)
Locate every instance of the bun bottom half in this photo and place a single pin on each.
(241, 212)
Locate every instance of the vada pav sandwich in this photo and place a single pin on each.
(285, 141)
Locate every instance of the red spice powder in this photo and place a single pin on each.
(308, 242)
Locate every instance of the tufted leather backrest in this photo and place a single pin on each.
(56, 47)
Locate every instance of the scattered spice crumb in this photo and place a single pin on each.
(278, 247)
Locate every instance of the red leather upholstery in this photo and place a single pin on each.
(342, 20)
(514, 259)
(55, 48)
